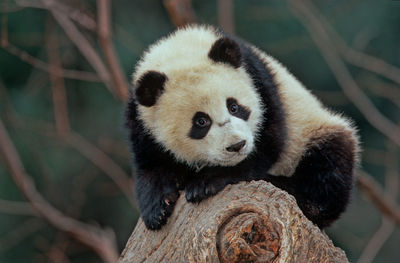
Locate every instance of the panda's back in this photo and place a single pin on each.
(307, 120)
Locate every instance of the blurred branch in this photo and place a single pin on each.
(363, 38)
(57, 82)
(377, 240)
(350, 88)
(4, 30)
(39, 64)
(80, 17)
(56, 254)
(353, 56)
(56, 249)
(80, 144)
(126, 39)
(16, 208)
(368, 62)
(101, 241)
(115, 80)
(102, 161)
(391, 190)
(104, 32)
(114, 147)
(226, 16)
(373, 155)
(83, 46)
(9, 8)
(20, 233)
(382, 89)
(374, 192)
(180, 12)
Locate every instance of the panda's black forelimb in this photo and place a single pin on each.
(156, 195)
(210, 181)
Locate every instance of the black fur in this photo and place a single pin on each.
(157, 177)
(273, 134)
(242, 112)
(227, 51)
(236, 147)
(149, 87)
(321, 183)
(197, 132)
(323, 179)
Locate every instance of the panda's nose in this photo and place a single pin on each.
(236, 147)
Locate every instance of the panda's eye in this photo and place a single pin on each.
(233, 108)
(202, 122)
(237, 110)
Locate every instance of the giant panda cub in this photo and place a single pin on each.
(208, 110)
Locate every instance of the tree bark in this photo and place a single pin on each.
(247, 222)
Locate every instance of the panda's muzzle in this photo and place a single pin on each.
(236, 147)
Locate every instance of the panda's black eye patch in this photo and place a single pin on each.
(201, 124)
(237, 110)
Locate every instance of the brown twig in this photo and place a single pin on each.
(372, 189)
(115, 81)
(377, 240)
(128, 40)
(101, 241)
(57, 83)
(56, 254)
(363, 38)
(4, 30)
(104, 32)
(342, 74)
(83, 46)
(391, 190)
(80, 17)
(9, 8)
(373, 155)
(180, 12)
(39, 64)
(83, 146)
(353, 56)
(15, 207)
(56, 250)
(368, 62)
(20, 233)
(105, 163)
(382, 89)
(226, 16)
(114, 147)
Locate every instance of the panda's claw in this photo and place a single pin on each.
(158, 212)
(198, 191)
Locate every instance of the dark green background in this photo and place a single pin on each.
(77, 187)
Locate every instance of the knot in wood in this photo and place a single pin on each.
(248, 237)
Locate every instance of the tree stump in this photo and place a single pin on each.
(248, 222)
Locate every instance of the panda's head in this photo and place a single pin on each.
(197, 100)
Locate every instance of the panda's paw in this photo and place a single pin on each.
(157, 213)
(199, 190)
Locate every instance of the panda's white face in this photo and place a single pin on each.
(206, 115)
(196, 98)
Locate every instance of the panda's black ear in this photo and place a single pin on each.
(149, 87)
(226, 50)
